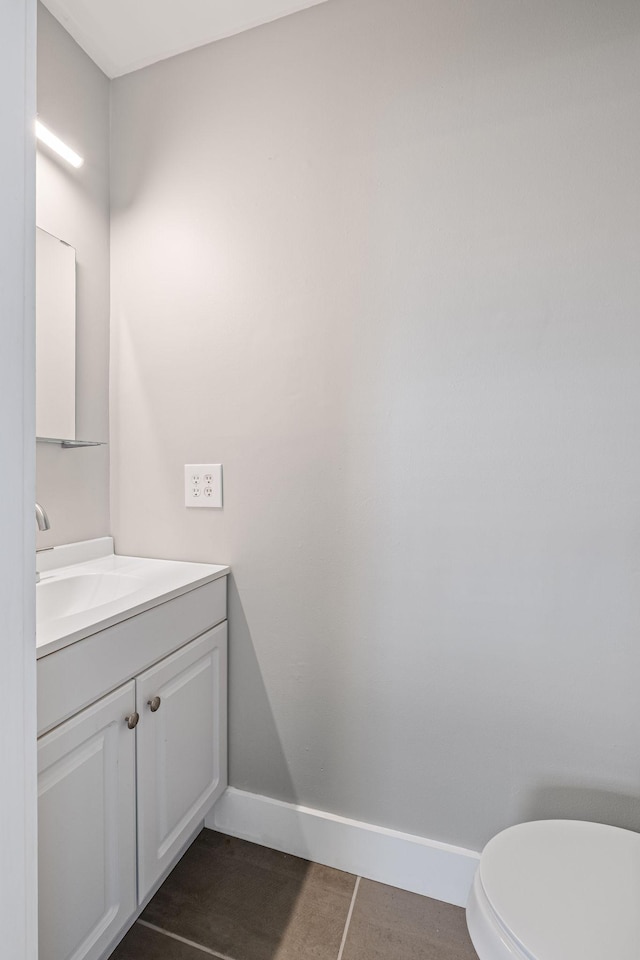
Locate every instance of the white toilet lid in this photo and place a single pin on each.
(566, 890)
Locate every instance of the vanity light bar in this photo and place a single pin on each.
(46, 136)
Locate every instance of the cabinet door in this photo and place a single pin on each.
(182, 749)
(86, 826)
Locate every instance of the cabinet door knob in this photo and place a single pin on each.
(154, 704)
(132, 721)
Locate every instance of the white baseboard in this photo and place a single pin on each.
(428, 867)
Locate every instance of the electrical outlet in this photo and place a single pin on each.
(203, 485)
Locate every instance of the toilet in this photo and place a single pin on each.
(557, 890)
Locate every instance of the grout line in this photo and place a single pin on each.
(189, 943)
(348, 921)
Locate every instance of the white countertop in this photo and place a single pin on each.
(91, 568)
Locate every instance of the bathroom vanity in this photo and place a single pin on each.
(132, 707)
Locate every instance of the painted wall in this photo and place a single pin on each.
(382, 261)
(73, 100)
(18, 789)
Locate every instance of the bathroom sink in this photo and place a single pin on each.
(67, 596)
(85, 588)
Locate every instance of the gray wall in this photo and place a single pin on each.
(73, 100)
(382, 261)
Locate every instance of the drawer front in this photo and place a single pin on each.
(79, 674)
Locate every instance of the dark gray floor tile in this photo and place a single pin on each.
(252, 903)
(144, 944)
(390, 924)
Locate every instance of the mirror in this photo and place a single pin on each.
(55, 338)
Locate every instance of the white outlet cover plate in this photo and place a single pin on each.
(203, 485)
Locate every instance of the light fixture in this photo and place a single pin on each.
(46, 136)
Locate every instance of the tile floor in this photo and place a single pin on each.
(234, 900)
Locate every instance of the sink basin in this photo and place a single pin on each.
(85, 588)
(67, 596)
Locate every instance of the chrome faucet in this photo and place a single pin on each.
(43, 524)
(41, 518)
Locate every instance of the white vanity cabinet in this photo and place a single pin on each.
(125, 782)
(87, 829)
(181, 750)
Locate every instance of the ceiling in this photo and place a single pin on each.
(124, 35)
